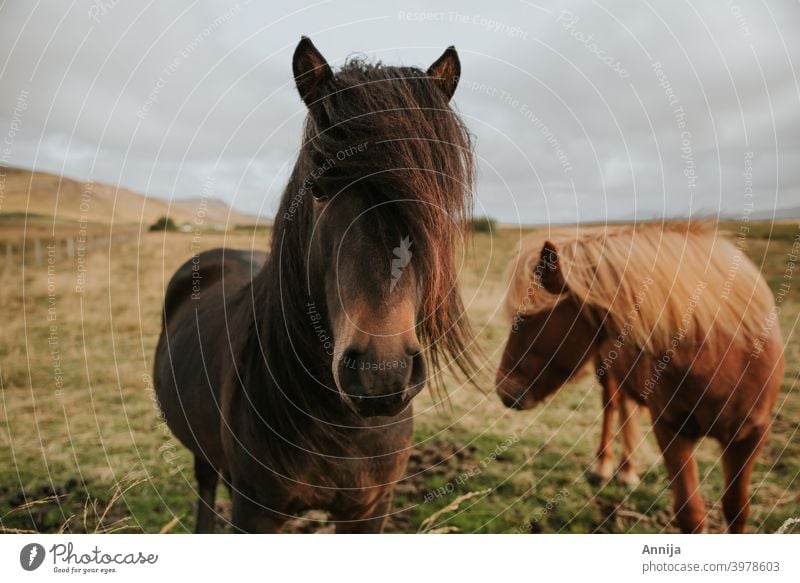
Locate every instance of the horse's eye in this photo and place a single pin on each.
(319, 195)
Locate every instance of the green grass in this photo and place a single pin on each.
(103, 433)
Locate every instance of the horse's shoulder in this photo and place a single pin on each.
(202, 273)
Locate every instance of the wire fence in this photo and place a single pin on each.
(36, 251)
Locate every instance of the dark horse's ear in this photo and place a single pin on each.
(549, 269)
(312, 74)
(446, 71)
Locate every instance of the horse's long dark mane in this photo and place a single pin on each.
(410, 149)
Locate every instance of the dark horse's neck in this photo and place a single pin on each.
(287, 352)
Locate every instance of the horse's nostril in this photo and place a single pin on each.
(414, 350)
(419, 373)
(351, 356)
(513, 395)
(509, 400)
(349, 377)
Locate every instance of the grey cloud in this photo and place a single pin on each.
(161, 98)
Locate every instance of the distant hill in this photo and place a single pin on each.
(781, 214)
(787, 214)
(39, 193)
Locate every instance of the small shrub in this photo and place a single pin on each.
(164, 224)
(484, 225)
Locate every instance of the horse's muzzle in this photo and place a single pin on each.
(513, 394)
(381, 388)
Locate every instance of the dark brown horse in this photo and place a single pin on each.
(291, 374)
(677, 319)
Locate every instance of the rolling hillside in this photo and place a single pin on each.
(47, 195)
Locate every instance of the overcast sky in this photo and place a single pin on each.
(581, 110)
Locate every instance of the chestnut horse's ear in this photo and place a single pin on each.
(549, 269)
(446, 71)
(312, 74)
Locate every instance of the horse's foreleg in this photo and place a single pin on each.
(631, 437)
(603, 467)
(737, 462)
(250, 516)
(678, 454)
(207, 478)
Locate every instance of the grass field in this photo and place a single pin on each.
(82, 446)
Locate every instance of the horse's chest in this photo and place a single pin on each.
(350, 485)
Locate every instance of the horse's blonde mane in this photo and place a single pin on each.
(655, 284)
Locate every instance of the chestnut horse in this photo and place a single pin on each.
(291, 374)
(680, 322)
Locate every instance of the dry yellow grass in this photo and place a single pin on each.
(91, 433)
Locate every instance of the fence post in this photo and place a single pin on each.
(37, 251)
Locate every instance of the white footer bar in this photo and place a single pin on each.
(401, 558)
